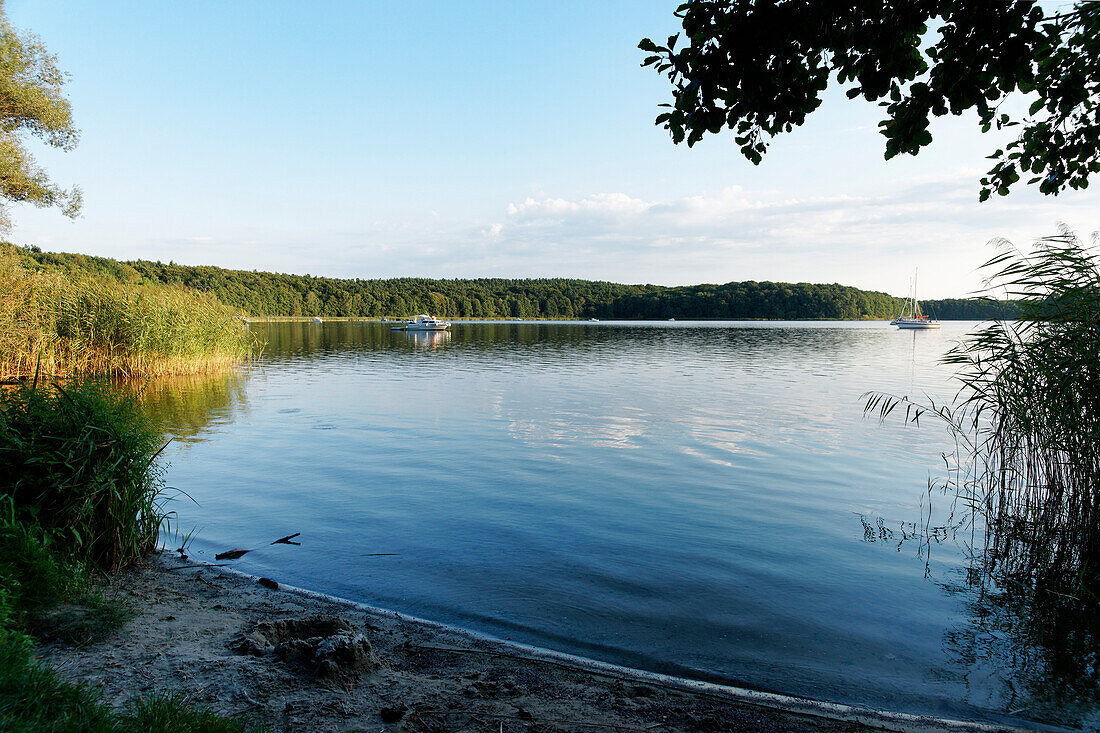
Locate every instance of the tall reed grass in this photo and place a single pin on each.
(66, 324)
(1027, 422)
(77, 464)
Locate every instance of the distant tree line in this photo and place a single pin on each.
(273, 294)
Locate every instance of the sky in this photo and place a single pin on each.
(482, 139)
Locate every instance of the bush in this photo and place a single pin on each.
(32, 575)
(76, 461)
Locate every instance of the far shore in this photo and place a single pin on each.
(199, 630)
(503, 319)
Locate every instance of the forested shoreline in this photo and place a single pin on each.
(274, 294)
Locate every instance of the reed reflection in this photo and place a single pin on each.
(188, 407)
(1032, 623)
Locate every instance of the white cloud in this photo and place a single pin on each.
(596, 206)
(871, 240)
(934, 223)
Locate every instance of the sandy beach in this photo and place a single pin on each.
(299, 661)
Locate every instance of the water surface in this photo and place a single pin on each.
(703, 499)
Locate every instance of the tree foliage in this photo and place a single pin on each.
(760, 67)
(266, 293)
(31, 104)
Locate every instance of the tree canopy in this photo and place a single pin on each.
(266, 293)
(759, 67)
(31, 104)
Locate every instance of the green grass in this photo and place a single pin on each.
(78, 461)
(34, 575)
(34, 698)
(79, 494)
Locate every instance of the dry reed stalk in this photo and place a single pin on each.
(68, 324)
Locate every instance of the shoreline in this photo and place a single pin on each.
(578, 321)
(191, 618)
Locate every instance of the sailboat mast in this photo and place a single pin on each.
(916, 305)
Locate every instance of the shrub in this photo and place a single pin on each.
(77, 461)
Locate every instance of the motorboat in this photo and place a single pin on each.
(423, 322)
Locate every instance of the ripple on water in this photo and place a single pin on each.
(683, 497)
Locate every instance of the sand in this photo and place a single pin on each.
(304, 662)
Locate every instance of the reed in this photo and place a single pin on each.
(77, 463)
(71, 323)
(1027, 423)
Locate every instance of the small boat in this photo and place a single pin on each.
(423, 322)
(911, 317)
(594, 320)
(317, 319)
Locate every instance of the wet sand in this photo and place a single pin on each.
(300, 661)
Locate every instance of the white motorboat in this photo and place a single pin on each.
(911, 317)
(423, 322)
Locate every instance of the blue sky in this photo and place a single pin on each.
(441, 139)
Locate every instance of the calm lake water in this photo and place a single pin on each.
(702, 499)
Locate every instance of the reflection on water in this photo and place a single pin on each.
(1039, 650)
(189, 407)
(427, 339)
(702, 499)
(1025, 648)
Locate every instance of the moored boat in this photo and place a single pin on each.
(423, 322)
(911, 317)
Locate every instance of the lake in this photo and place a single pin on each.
(702, 499)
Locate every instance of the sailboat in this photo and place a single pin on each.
(911, 316)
